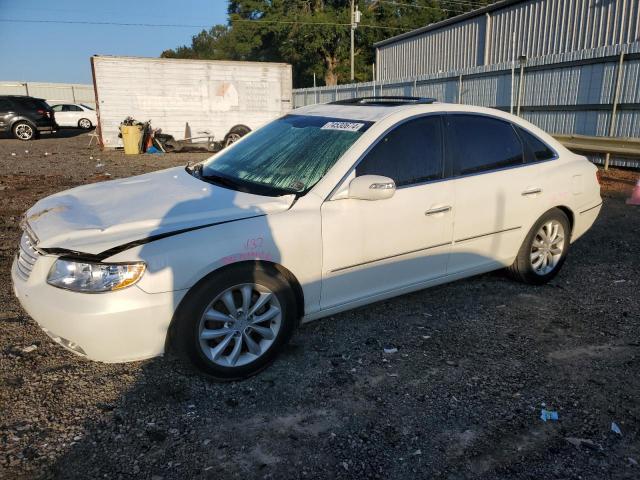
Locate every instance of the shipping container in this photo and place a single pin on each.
(212, 96)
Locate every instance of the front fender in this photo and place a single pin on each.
(291, 239)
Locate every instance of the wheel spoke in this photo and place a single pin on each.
(214, 315)
(268, 315)
(246, 298)
(251, 344)
(537, 264)
(260, 302)
(557, 240)
(216, 333)
(237, 348)
(228, 301)
(266, 332)
(218, 349)
(535, 256)
(556, 250)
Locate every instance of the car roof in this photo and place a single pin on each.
(373, 112)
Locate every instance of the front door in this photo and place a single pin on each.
(375, 247)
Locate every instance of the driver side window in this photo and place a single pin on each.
(409, 154)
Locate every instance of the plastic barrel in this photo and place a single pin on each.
(131, 138)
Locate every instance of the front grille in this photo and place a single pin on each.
(27, 256)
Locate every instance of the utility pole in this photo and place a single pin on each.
(355, 20)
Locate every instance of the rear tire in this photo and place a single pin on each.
(231, 345)
(85, 123)
(24, 131)
(235, 134)
(544, 249)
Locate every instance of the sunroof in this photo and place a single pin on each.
(387, 101)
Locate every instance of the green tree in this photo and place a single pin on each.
(312, 35)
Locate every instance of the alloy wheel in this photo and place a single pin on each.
(232, 138)
(547, 247)
(24, 131)
(240, 325)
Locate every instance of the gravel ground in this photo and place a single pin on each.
(477, 360)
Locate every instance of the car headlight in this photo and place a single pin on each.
(93, 277)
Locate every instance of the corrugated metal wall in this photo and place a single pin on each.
(569, 93)
(52, 92)
(541, 27)
(432, 51)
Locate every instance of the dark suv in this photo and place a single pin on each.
(25, 117)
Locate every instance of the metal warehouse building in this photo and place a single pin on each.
(486, 36)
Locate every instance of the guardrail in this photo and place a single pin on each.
(629, 147)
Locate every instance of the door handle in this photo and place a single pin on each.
(436, 210)
(531, 191)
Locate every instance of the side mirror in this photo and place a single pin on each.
(372, 187)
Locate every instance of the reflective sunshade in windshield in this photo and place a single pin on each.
(288, 155)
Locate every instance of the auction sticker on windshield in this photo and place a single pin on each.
(346, 126)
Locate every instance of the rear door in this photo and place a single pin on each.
(377, 247)
(7, 111)
(498, 195)
(66, 115)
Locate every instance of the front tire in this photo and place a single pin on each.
(85, 123)
(24, 131)
(233, 324)
(544, 249)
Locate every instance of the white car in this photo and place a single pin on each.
(75, 115)
(326, 209)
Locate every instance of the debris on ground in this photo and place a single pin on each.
(548, 415)
(615, 428)
(390, 350)
(30, 348)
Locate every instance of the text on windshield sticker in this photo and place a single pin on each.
(346, 126)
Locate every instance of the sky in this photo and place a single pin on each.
(54, 52)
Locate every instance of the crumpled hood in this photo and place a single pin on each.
(97, 217)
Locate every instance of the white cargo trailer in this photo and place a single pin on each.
(213, 96)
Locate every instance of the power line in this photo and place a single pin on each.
(176, 25)
(411, 5)
(453, 3)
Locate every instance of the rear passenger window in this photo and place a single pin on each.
(538, 149)
(480, 143)
(5, 105)
(409, 154)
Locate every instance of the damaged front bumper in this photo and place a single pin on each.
(112, 327)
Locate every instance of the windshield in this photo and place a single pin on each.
(288, 155)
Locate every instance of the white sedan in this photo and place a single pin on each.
(328, 208)
(75, 115)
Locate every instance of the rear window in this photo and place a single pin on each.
(33, 103)
(481, 143)
(538, 150)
